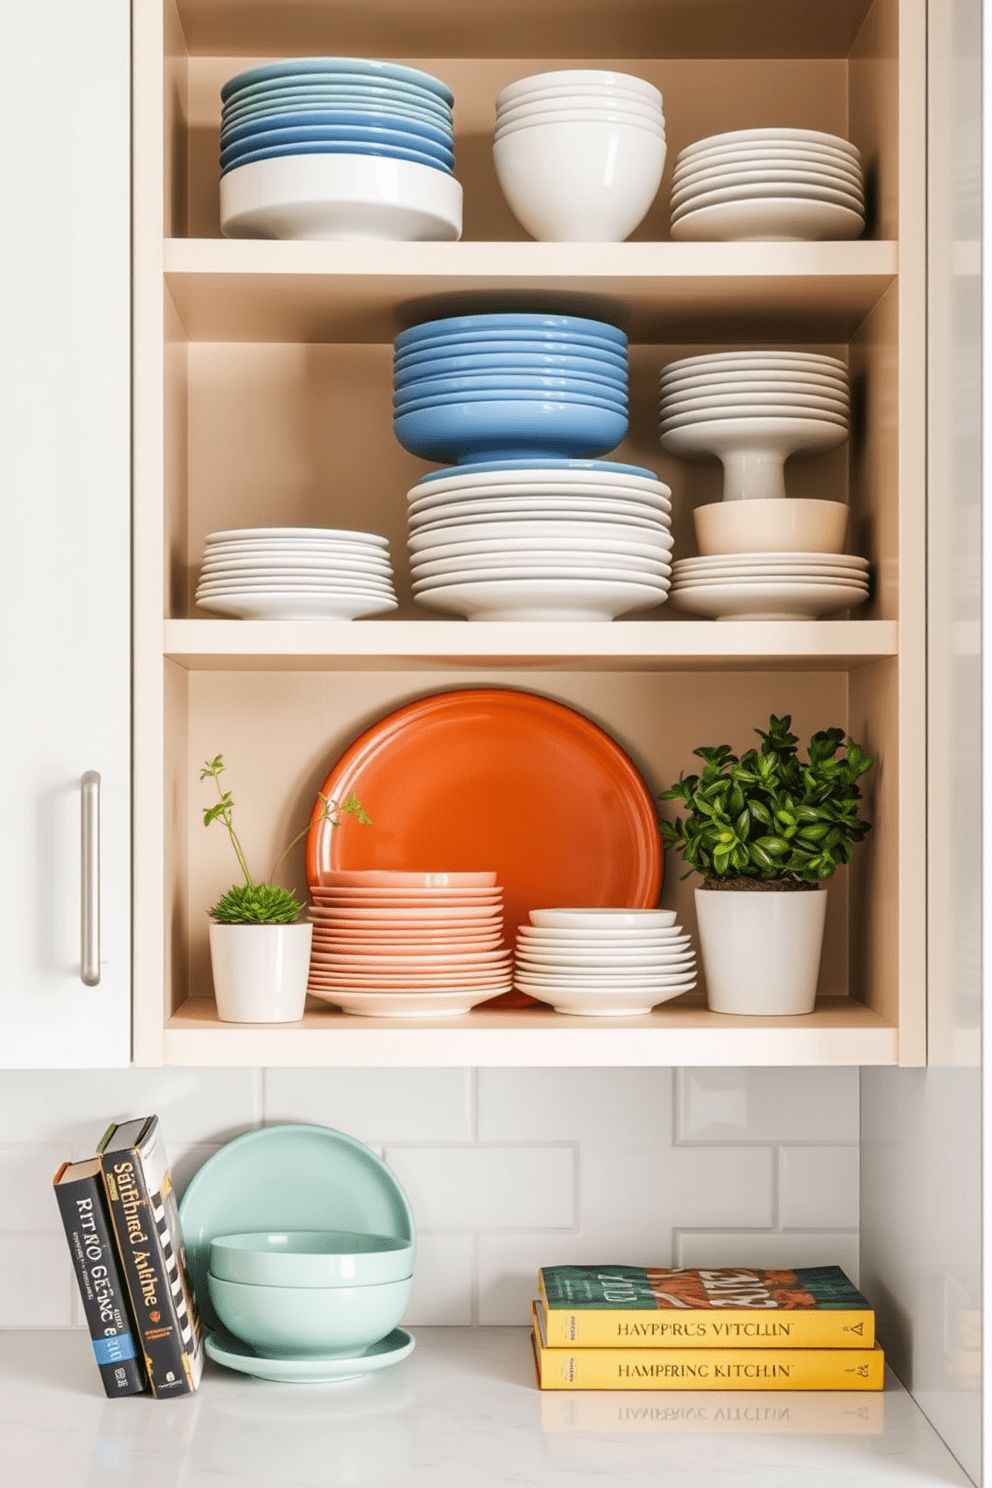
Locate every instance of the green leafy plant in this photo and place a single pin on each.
(768, 817)
(252, 903)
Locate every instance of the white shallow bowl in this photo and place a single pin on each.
(581, 181)
(744, 600)
(791, 193)
(605, 921)
(298, 607)
(770, 135)
(607, 1002)
(534, 118)
(578, 80)
(340, 198)
(430, 1004)
(542, 599)
(769, 220)
(547, 564)
(770, 526)
(534, 543)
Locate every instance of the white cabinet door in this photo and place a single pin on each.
(65, 533)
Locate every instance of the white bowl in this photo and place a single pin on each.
(340, 197)
(771, 526)
(578, 115)
(581, 182)
(578, 80)
(605, 921)
(592, 104)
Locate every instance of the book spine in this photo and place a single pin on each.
(710, 1369)
(101, 1285)
(693, 1328)
(164, 1327)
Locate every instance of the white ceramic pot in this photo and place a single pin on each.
(260, 971)
(761, 949)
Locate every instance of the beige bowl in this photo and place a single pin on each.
(772, 526)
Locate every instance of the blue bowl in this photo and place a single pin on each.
(548, 326)
(319, 125)
(353, 138)
(462, 433)
(574, 467)
(328, 147)
(528, 364)
(549, 400)
(335, 67)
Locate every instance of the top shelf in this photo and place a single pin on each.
(561, 29)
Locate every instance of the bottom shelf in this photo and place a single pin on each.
(839, 1031)
(463, 1409)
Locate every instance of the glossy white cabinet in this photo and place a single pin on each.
(64, 542)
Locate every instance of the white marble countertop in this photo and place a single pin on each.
(463, 1411)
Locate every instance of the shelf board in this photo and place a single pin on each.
(622, 646)
(658, 292)
(840, 1031)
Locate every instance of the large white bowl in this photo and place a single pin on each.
(771, 526)
(340, 198)
(580, 182)
(591, 104)
(578, 80)
(576, 114)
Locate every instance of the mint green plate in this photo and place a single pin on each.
(225, 1349)
(288, 1177)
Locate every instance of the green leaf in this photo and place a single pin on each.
(257, 904)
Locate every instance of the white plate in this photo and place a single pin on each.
(285, 579)
(298, 607)
(756, 377)
(767, 601)
(627, 982)
(528, 541)
(421, 501)
(760, 360)
(433, 1004)
(593, 481)
(737, 168)
(540, 600)
(584, 963)
(770, 134)
(853, 581)
(294, 534)
(524, 564)
(309, 562)
(604, 1004)
(821, 424)
(511, 572)
(846, 561)
(768, 192)
(786, 573)
(769, 220)
(748, 385)
(749, 177)
(758, 151)
(540, 507)
(604, 921)
(673, 404)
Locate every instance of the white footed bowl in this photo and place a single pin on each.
(773, 525)
(580, 182)
(340, 198)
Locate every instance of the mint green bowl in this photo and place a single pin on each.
(309, 1322)
(311, 1258)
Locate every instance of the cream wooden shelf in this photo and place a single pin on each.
(840, 1031)
(260, 291)
(382, 645)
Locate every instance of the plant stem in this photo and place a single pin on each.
(238, 849)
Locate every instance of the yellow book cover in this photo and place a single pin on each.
(704, 1369)
(725, 1307)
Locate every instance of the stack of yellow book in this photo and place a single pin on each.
(731, 1328)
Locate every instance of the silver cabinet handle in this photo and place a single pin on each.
(89, 973)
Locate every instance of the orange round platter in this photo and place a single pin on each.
(485, 778)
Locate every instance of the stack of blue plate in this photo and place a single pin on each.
(509, 386)
(340, 107)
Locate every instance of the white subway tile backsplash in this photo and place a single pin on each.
(769, 1248)
(818, 1188)
(375, 1105)
(444, 1281)
(715, 1186)
(574, 1105)
(39, 1287)
(26, 1175)
(767, 1105)
(491, 1188)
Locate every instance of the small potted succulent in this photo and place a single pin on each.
(764, 831)
(259, 947)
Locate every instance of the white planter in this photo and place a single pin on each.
(761, 949)
(260, 971)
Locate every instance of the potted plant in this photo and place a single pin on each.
(259, 947)
(764, 831)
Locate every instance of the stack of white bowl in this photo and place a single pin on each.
(295, 573)
(338, 148)
(394, 944)
(753, 409)
(604, 962)
(768, 185)
(579, 154)
(541, 540)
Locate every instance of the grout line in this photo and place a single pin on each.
(473, 1104)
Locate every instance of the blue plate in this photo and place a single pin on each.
(330, 147)
(319, 126)
(510, 343)
(531, 364)
(462, 432)
(350, 101)
(510, 390)
(537, 324)
(335, 67)
(288, 1177)
(225, 1349)
(357, 139)
(547, 402)
(530, 463)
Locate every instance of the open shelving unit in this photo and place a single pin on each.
(262, 397)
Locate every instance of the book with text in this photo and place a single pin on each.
(704, 1368)
(143, 1208)
(726, 1307)
(82, 1204)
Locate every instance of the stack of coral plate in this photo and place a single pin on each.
(295, 573)
(506, 386)
(579, 154)
(541, 540)
(394, 944)
(338, 147)
(768, 185)
(604, 962)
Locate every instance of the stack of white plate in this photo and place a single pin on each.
(768, 185)
(397, 944)
(295, 573)
(753, 409)
(770, 586)
(337, 148)
(604, 962)
(541, 540)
